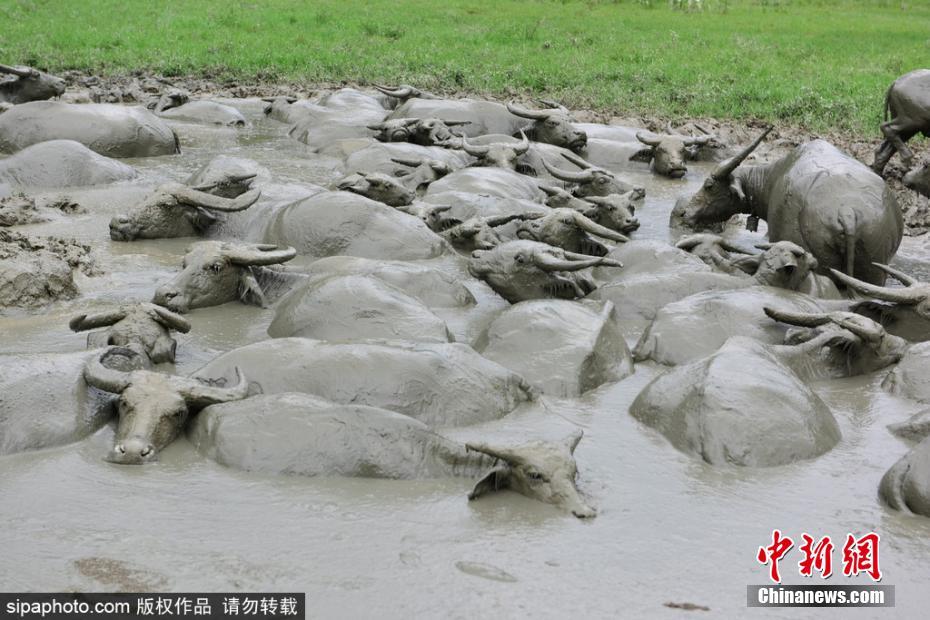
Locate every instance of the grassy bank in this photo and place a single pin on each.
(824, 64)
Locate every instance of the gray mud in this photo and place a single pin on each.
(670, 530)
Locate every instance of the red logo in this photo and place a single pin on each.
(860, 555)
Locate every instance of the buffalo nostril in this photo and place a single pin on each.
(147, 450)
(121, 449)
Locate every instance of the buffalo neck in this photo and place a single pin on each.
(753, 181)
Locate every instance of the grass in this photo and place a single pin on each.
(821, 64)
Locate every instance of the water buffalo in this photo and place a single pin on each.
(334, 223)
(176, 210)
(37, 271)
(592, 180)
(614, 211)
(422, 131)
(521, 270)
(440, 384)
(145, 326)
(484, 117)
(340, 115)
(907, 102)
(499, 154)
(153, 407)
(552, 126)
(918, 179)
(906, 486)
(434, 216)
(561, 347)
(909, 377)
(379, 187)
(310, 436)
(431, 285)
(227, 177)
(215, 272)
(481, 233)
(355, 307)
(287, 109)
(816, 196)
(914, 293)
(569, 230)
(209, 112)
(60, 164)
(741, 405)
(111, 130)
(45, 402)
(668, 152)
(29, 85)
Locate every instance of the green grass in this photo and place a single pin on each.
(822, 64)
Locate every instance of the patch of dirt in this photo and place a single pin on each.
(145, 89)
(20, 209)
(120, 576)
(35, 271)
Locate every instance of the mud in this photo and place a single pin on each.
(671, 530)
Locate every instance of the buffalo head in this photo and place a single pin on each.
(918, 179)
(143, 325)
(721, 196)
(478, 233)
(422, 131)
(29, 85)
(499, 154)
(857, 344)
(176, 210)
(523, 269)
(153, 407)
(592, 180)
(379, 187)
(569, 230)
(553, 126)
(668, 152)
(215, 272)
(540, 470)
(914, 293)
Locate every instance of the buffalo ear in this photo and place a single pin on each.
(249, 290)
(749, 264)
(643, 155)
(201, 219)
(593, 214)
(736, 186)
(498, 477)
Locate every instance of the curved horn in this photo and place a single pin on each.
(233, 178)
(554, 105)
(196, 393)
(473, 149)
(83, 322)
(410, 163)
(725, 169)
(108, 379)
(862, 326)
(729, 246)
(500, 220)
(548, 262)
(536, 115)
(524, 145)
(23, 73)
(900, 276)
(400, 92)
(766, 245)
(169, 319)
(499, 453)
(456, 123)
(551, 191)
(604, 261)
(895, 295)
(589, 225)
(801, 319)
(375, 127)
(196, 198)
(578, 161)
(565, 175)
(259, 255)
(642, 137)
(697, 140)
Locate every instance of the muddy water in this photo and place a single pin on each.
(669, 529)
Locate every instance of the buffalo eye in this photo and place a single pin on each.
(519, 258)
(535, 476)
(601, 180)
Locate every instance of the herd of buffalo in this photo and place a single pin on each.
(475, 257)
